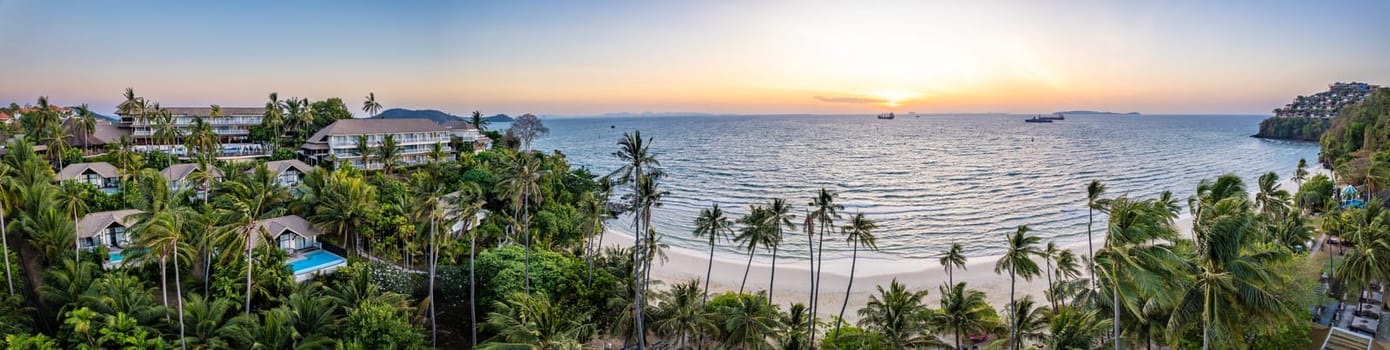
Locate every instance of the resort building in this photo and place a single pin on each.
(469, 133)
(103, 175)
(337, 142)
(178, 176)
(104, 133)
(106, 229)
(299, 240)
(289, 173)
(233, 127)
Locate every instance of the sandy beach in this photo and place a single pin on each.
(793, 275)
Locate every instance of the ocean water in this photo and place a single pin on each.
(928, 181)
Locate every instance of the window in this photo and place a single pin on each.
(89, 242)
(115, 234)
(287, 240)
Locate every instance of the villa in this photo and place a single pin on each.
(337, 142)
(299, 239)
(468, 133)
(106, 229)
(103, 175)
(288, 173)
(177, 175)
(233, 128)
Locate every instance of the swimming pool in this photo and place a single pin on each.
(314, 261)
(114, 257)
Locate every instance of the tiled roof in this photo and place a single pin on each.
(279, 166)
(92, 224)
(178, 172)
(294, 223)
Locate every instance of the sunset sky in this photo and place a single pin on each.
(748, 57)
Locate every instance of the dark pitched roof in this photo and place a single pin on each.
(279, 166)
(104, 133)
(458, 125)
(72, 171)
(93, 223)
(375, 126)
(180, 171)
(294, 223)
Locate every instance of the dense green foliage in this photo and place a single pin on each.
(1293, 128)
(1357, 145)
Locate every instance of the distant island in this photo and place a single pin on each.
(1095, 113)
(436, 116)
(1308, 117)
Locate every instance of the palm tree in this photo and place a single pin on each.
(274, 117)
(753, 233)
(72, 199)
(1072, 328)
(595, 208)
(255, 197)
(436, 153)
(952, 259)
(1272, 200)
(465, 207)
(1301, 173)
(1048, 255)
(429, 195)
(478, 121)
(363, 148)
(680, 316)
(749, 322)
(1137, 258)
(963, 309)
(5, 200)
(900, 317)
(1018, 261)
(345, 206)
(859, 232)
(535, 320)
(370, 106)
(389, 153)
(84, 125)
(649, 195)
(523, 186)
(1030, 321)
(638, 162)
(712, 224)
(779, 216)
(1093, 192)
(160, 233)
(825, 212)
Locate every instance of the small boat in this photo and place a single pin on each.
(1037, 119)
(888, 116)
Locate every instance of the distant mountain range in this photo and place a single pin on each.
(436, 116)
(1095, 113)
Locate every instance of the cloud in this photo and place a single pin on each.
(852, 100)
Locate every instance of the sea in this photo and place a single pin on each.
(927, 181)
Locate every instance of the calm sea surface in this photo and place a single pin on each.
(926, 181)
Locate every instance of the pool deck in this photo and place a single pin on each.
(330, 262)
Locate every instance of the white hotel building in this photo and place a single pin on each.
(233, 127)
(337, 142)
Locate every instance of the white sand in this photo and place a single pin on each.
(793, 275)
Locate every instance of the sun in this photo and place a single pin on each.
(895, 98)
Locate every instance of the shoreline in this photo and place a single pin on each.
(793, 275)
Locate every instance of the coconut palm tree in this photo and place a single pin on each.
(649, 195)
(595, 208)
(84, 125)
(900, 317)
(535, 320)
(478, 121)
(429, 210)
(523, 188)
(749, 322)
(370, 106)
(345, 206)
(679, 316)
(952, 259)
(1273, 201)
(638, 161)
(389, 153)
(1048, 255)
(779, 216)
(753, 233)
(161, 233)
(71, 197)
(825, 211)
(1072, 328)
(1093, 192)
(1030, 321)
(963, 309)
(465, 207)
(5, 203)
(713, 225)
(1137, 258)
(1301, 173)
(255, 197)
(362, 147)
(274, 117)
(1018, 261)
(858, 232)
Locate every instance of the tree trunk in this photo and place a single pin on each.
(5, 237)
(1091, 250)
(1115, 304)
(709, 268)
(820, 268)
(526, 240)
(637, 286)
(472, 296)
(178, 295)
(811, 299)
(249, 241)
(1051, 296)
(853, 261)
(589, 259)
(164, 283)
(76, 243)
(434, 256)
(745, 271)
(1013, 310)
(772, 279)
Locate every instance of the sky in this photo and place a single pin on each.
(738, 57)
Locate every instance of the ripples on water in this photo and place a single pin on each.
(926, 181)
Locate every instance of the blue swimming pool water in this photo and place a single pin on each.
(115, 257)
(315, 260)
